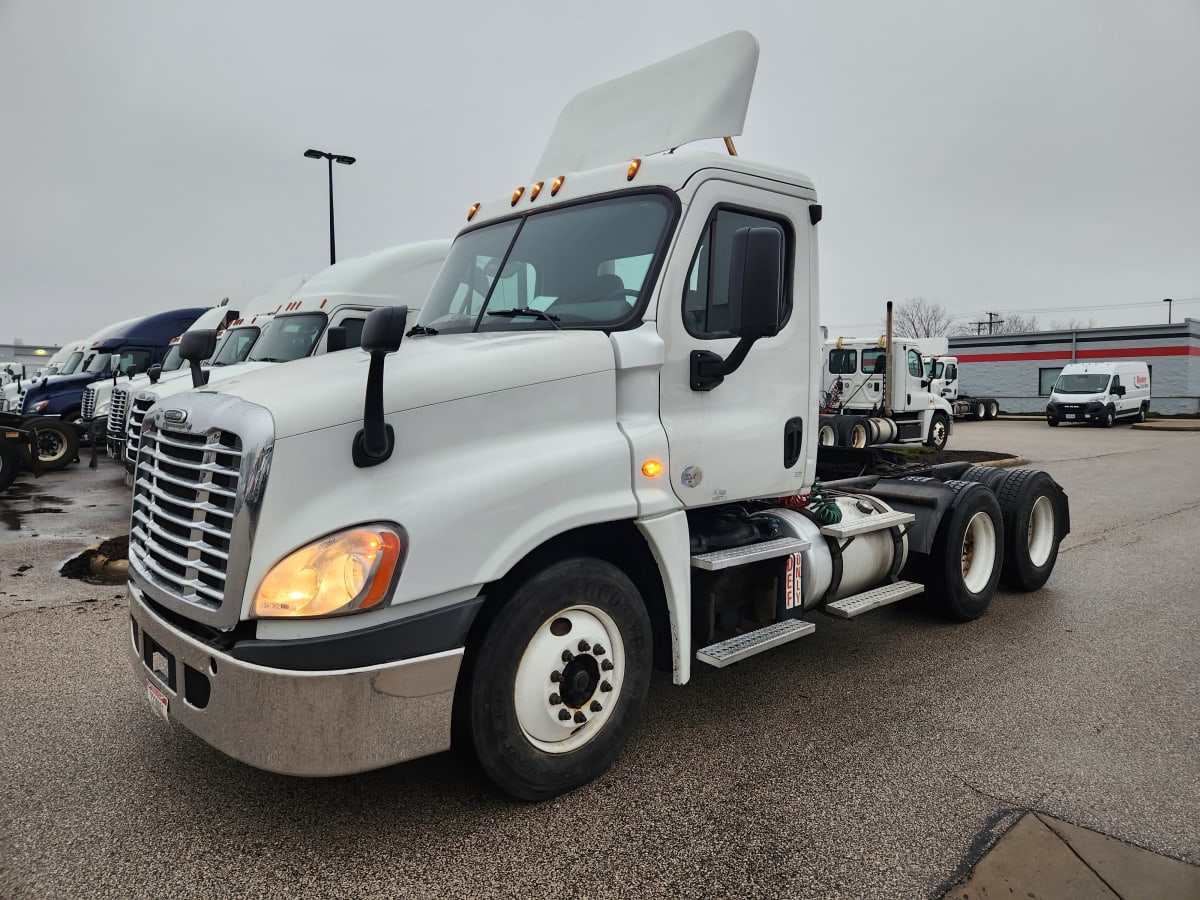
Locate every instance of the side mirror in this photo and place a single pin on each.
(195, 347)
(382, 333)
(335, 339)
(131, 370)
(755, 288)
(154, 373)
(1120, 390)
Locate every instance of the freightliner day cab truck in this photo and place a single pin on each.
(593, 452)
(942, 374)
(330, 306)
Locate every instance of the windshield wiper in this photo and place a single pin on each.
(526, 311)
(421, 329)
(271, 359)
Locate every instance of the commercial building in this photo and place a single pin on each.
(1019, 369)
(31, 356)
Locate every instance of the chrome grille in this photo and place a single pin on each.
(133, 430)
(116, 412)
(184, 503)
(88, 409)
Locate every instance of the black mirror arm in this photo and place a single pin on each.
(709, 369)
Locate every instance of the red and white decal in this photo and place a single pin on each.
(793, 593)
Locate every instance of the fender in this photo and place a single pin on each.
(668, 538)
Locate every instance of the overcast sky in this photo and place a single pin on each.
(1040, 156)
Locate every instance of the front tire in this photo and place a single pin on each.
(1109, 418)
(56, 444)
(964, 566)
(939, 432)
(559, 678)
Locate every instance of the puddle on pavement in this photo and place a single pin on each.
(12, 517)
(12, 510)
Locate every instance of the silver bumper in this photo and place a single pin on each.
(296, 723)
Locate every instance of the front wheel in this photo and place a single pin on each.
(939, 432)
(1109, 418)
(559, 678)
(56, 443)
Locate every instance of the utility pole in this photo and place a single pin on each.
(993, 320)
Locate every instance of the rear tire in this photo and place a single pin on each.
(979, 410)
(860, 433)
(827, 432)
(968, 553)
(844, 425)
(993, 409)
(56, 444)
(563, 635)
(1141, 416)
(1035, 517)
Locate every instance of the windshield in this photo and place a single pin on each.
(72, 363)
(172, 360)
(98, 363)
(236, 346)
(582, 266)
(288, 338)
(934, 368)
(1081, 384)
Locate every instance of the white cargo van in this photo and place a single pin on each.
(1101, 392)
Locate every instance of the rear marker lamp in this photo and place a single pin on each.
(535, 190)
(517, 195)
(346, 572)
(471, 212)
(633, 169)
(558, 183)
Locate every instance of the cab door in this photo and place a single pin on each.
(752, 435)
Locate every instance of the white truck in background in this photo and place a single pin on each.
(1100, 393)
(595, 451)
(942, 373)
(333, 304)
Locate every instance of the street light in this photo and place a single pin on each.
(1168, 301)
(345, 161)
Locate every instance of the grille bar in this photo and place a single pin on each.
(209, 508)
(88, 408)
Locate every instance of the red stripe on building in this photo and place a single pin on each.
(1065, 354)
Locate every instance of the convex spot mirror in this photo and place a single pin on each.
(756, 280)
(384, 329)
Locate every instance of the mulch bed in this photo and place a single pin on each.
(80, 568)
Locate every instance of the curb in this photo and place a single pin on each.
(1007, 462)
(1167, 426)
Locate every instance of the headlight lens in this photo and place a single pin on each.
(38, 407)
(343, 573)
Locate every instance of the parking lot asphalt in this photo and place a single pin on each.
(880, 757)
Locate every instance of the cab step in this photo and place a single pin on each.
(741, 646)
(856, 605)
(741, 556)
(865, 526)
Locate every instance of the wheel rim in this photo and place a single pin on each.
(980, 412)
(858, 437)
(51, 445)
(938, 433)
(978, 552)
(575, 662)
(826, 437)
(1040, 538)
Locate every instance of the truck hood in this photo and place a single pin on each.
(329, 390)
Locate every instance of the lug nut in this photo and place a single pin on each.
(556, 676)
(555, 699)
(598, 650)
(605, 688)
(564, 715)
(580, 718)
(567, 656)
(595, 707)
(607, 665)
(584, 646)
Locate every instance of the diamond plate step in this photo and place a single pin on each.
(740, 556)
(737, 648)
(849, 607)
(871, 523)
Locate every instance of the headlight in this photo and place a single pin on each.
(346, 572)
(38, 407)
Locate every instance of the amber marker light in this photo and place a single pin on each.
(517, 195)
(558, 182)
(535, 190)
(471, 212)
(652, 468)
(633, 169)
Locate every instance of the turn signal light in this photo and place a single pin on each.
(652, 468)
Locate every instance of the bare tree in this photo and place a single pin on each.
(1014, 324)
(1072, 324)
(915, 317)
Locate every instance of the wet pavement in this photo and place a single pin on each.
(880, 757)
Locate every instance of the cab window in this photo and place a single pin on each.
(915, 369)
(707, 310)
(874, 362)
(843, 361)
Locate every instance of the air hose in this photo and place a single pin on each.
(823, 507)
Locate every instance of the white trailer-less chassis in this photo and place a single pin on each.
(594, 452)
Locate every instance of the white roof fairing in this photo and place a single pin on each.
(700, 93)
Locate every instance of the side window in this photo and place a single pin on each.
(951, 373)
(707, 310)
(874, 362)
(915, 368)
(354, 329)
(843, 362)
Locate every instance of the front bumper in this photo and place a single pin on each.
(1089, 412)
(296, 722)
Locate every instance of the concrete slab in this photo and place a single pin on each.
(1133, 873)
(1032, 861)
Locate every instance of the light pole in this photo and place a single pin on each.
(1168, 301)
(345, 161)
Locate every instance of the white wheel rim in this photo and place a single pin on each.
(1040, 539)
(978, 552)
(858, 436)
(580, 655)
(939, 432)
(825, 437)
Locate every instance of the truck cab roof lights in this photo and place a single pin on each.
(535, 190)
(471, 212)
(558, 183)
(634, 165)
(517, 195)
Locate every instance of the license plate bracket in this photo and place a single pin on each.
(159, 702)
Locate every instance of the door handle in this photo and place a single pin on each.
(793, 441)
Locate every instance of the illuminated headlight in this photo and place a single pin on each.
(346, 572)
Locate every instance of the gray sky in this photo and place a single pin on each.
(1041, 156)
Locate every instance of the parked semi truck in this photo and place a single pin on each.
(942, 374)
(594, 452)
(332, 305)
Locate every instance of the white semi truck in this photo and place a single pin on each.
(942, 373)
(594, 452)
